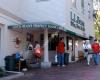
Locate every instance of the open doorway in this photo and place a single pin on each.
(53, 41)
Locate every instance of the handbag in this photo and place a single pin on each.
(38, 52)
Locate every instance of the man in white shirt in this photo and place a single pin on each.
(87, 51)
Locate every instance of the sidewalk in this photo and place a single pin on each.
(73, 71)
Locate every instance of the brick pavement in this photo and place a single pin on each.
(73, 71)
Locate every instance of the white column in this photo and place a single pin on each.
(3, 46)
(46, 63)
(46, 46)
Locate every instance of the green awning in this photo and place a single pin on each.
(71, 32)
(37, 25)
(78, 35)
(44, 25)
(82, 37)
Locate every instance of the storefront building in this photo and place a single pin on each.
(45, 21)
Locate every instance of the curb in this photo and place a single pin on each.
(18, 74)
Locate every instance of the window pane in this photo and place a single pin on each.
(74, 3)
(82, 6)
(82, 3)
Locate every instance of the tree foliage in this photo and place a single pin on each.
(97, 25)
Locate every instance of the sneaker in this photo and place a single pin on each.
(63, 65)
(88, 64)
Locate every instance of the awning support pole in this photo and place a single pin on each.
(46, 63)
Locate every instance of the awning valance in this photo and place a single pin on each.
(44, 25)
(78, 35)
(37, 25)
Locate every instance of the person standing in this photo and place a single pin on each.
(60, 52)
(85, 49)
(96, 50)
(90, 53)
(30, 51)
(37, 51)
(30, 46)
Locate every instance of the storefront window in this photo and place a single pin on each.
(53, 40)
(74, 3)
(82, 5)
(41, 39)
(30, 37)
(89, 11)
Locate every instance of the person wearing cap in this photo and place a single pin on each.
(88, 51)
(85, 49)
(96, 50)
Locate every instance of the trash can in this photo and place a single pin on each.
(66, 58)
(9, 63)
